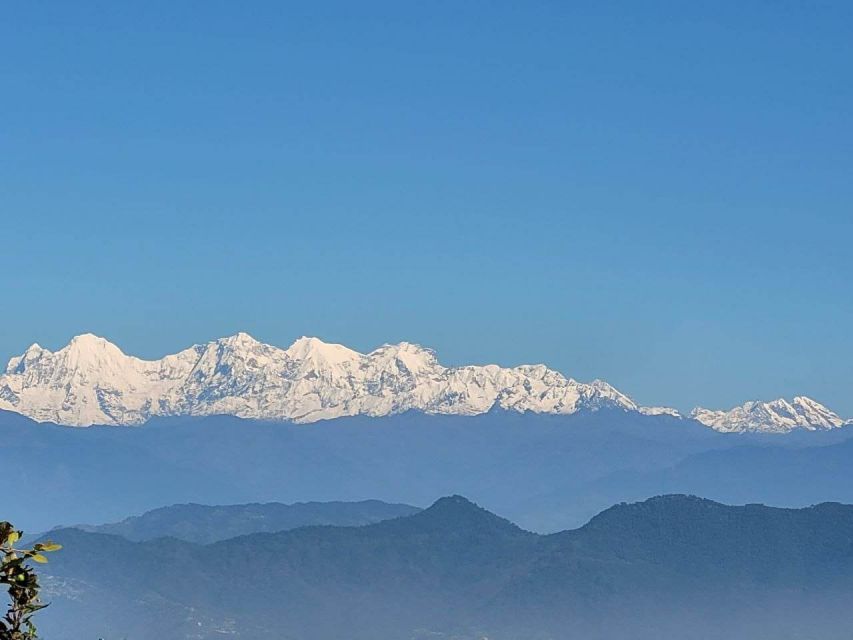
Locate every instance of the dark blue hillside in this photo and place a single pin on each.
(636, 571)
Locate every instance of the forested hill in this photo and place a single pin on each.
(670, 566)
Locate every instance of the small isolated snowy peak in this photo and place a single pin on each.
(660, 411)
(91, 381)
(776, 416)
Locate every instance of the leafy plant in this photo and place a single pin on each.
(16, 572)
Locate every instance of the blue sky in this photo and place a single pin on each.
(659, 194)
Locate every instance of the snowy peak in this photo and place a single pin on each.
(660, 411)
(408, 356)
(86, 341)
(19, 363)
(91, 381)
(324, 354)
(94, 353)
(238, 341)
(776, 416)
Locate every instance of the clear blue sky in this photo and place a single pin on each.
(659, 193)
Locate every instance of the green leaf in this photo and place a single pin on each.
(50, 546)
(13, 537)
(39, 558)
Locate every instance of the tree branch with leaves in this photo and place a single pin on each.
(23, 586)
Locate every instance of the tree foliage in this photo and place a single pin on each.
(23, 586)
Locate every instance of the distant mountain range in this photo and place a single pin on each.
(778, 416)
(672, 566)
(92, 382)
(204, 524)
(546, 472)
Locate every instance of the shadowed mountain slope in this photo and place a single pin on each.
(204, 524)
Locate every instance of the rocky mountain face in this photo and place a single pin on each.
(91, 381)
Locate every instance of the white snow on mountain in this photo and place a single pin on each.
(777, 416)
(660, 411)
(91, 381)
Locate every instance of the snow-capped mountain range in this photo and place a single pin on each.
(91, 381)
(777, 416)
